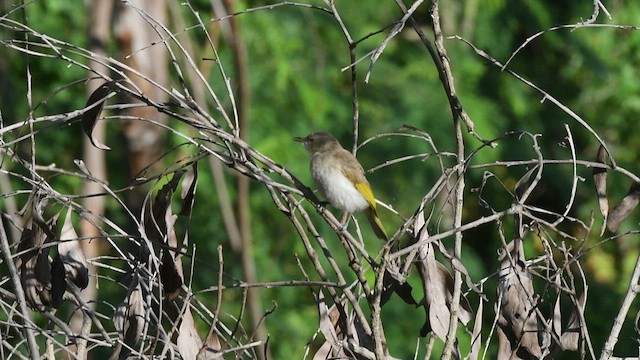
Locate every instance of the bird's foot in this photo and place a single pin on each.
(342, 229)
(322, 205)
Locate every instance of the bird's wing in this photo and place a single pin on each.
(365, 190)
(353, 171)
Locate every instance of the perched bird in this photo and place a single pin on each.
(340, 177)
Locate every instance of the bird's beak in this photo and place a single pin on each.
(300, 139)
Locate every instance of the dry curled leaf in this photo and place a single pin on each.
(517, 320)
(329, 326)
(58, 282)
(476, 336)
(188, 193)
(189, 342)
(437, 284)
(72, 255)
(626, 206)
(333, 325)
(129, 318)
(521, 186)
(212, 346)
(157, 228)
(35, 268)
(94, 106)
(573, 334)
(394, 282)
(438, 290)
(161, 228)
(170, 277)
(600, 181)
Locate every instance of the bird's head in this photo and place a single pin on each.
(318, 141)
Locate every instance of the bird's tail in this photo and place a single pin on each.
(376, 224)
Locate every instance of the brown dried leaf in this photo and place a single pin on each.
(158, 228)
(392, 282)
(211, 348)
(438, 290)
(161, 228)
(600, 181)
(420, 229)
(171, 267)
(329, 318)
(58, 282)
(129, 318)
(72, 255)
(570, 339)
(626, 206)
(476, 337)
(189, 184)
(517, 316)
(438, 320)
(189, 342)
(170, 277)
(457, 265)
(90, 117)
(330, 327)
(557, 315)
(521, 187)
(35, 269)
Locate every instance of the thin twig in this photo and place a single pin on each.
(632, 292)
(19, 292)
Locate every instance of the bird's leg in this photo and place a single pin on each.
(344, 221)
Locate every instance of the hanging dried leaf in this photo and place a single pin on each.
(189, 184)
(476, 337)
(161, 227)
(58, 282)
(521, 187)
(600, 181)
(557, 314)
(392, 282)
(170, 277)
(330, 319)
(72, 255)
(171, 267)
(35, 269)
(96, 102)
(570, 339)
(26, 243)
(211, 348)
(333, 323)
(129, 318)
(438, 290)
(519, 327)
(189, 342)
(626, 206)
(157, 227)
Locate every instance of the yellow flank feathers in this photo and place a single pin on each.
(365, 190)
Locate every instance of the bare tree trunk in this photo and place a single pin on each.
(100, 25)
(145, 140)
(254, 300)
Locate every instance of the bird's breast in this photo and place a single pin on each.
(335, 187)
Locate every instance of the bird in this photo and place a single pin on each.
(340, 178)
